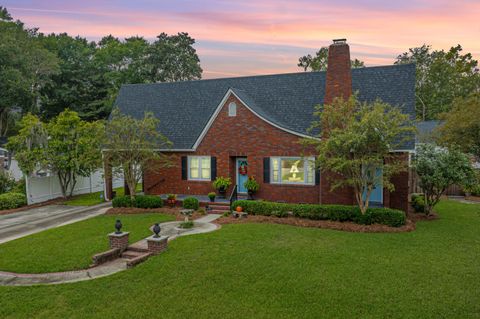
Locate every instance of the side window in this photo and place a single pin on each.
(232, 109)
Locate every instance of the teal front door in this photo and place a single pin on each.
(376, 196)
(242, 174)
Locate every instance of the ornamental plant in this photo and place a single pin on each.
(212, 196)
(251, 184)
(222, 182)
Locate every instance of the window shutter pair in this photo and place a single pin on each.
(213, 168)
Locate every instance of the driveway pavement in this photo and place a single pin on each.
(20, 224)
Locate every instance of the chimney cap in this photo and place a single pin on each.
(339, 41)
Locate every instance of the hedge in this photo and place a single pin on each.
(418, 203)
(140, 201)
(12, 200)
(342, 213)
(191, 203)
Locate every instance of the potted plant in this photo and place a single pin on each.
(221, 184)
(171, 200)
(212, 195)
(252, 186)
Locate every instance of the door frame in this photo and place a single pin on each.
(237, 159)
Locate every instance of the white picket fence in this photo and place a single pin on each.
(41, 189)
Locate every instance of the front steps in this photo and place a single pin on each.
(218, 208)
(135, 256)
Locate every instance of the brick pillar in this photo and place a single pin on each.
(119, 241)
(156, 245)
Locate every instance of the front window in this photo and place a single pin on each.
(293, 170)
(199, 168)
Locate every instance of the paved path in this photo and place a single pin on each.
(202, 225)
(30, 221)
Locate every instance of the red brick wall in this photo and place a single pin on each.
(247, 135)
(244, 135)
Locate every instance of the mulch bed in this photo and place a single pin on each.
(345, 226)
(473, 198)
(164, 210)
(421, 216)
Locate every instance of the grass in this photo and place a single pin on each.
(280, 271)
(96, 198)
(72, 246)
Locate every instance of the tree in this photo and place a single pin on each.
(134, 144)
(66, 146)
(441, 77)
(173, 58)
(462, 125)
(355, 140)
(320, 61)
(438, 168)
(25, 69)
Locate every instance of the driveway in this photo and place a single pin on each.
(20, 224)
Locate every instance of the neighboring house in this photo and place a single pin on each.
(219, 127)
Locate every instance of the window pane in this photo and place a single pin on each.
(206, 167)
(275, 168)
(310, 170)
(293, 171)
(194, 167)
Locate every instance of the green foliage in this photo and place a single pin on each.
(122, 201)
(418, 203)
(12, 200)
(171, 196)
(212, 196)
(6, 181)
(133, 145)
(191, 203)
(251, 184)
(139, 201)
(222, 182)
(320, 61)
(462, 125)
(438, 168)
(356, 139)
(341, 213)
(20, 187)
(441, 77)
(187, 225)
(66, 146)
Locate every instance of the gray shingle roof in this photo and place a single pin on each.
(287, 100)
(426, 131)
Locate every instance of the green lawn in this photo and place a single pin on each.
(280, 271)
(91, 199)
(72, 246)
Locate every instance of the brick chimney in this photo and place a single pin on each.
(339, 75)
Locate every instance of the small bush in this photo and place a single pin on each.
(12, 200)
(191, 203)
(341, 213)
(20, 187)
(122, 201)
(187, 225)
(148, 201)
(6, 181)
(418, 203)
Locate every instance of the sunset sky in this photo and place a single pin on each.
(245, 37)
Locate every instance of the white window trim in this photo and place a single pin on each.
(189, 159)
(307, 162)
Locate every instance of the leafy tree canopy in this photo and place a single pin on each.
(355, 140)
(442, 76)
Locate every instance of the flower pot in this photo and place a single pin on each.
(212, 199)
(250, 194)
(222, 191)
(172, 202)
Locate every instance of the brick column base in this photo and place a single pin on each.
(119, 241)
(157, 245)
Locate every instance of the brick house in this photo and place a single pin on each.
(224, 127)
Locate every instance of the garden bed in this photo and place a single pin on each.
(328, 224)
(473, 198)
(164, 210)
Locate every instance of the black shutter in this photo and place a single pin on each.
(266, 170)
(317, 176)
(184, 167)
(213, 168)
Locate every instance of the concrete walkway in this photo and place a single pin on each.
(30, 221)
(202, 225)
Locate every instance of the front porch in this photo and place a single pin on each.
(203, 199)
